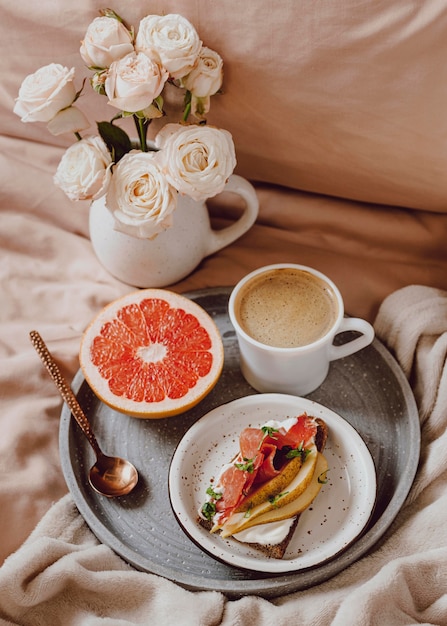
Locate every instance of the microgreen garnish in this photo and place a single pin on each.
(216, 495)
(248, 466)
(248, 512)
(268, 432)
(208, 510)
(300, 451)
(274, 499)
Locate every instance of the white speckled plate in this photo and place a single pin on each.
(337, 516)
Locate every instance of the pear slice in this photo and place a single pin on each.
(300, 504)
(274, 486)
(274, 501)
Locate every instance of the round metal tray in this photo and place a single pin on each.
(368, 389)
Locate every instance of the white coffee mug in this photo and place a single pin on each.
(286, 317)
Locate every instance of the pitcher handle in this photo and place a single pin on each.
(221, 238)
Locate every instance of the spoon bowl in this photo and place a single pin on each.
(110, 476)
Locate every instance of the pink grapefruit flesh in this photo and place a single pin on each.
(152, 354)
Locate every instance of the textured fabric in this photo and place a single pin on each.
(63, 575)
(338, 113)
(338, 97)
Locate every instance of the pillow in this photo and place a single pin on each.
(334, 97)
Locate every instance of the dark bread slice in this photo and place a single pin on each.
(321, 436)
(277, 551)
(274, 551)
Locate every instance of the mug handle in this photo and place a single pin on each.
(221, 238)
(359, 325)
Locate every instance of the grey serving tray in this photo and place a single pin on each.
(368, 389)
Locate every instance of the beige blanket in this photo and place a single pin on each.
(338, 113)
(62, 575)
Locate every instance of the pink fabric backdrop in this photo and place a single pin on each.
(338, 111)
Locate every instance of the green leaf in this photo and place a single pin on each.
(116, 140)
(248, 466)
(111, 13)
(217, 495)
(209, 510)
(299, 451)
(268, 431)
(275, 499)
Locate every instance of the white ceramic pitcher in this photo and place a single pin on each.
(177, 251)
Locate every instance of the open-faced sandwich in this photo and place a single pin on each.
(258, 497)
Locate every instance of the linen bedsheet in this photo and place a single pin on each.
(63, 575)
(51, 281)
(338, 114)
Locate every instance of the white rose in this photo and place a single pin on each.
(70, 120)
(133, 82)
(197, 160)
(106, 41)
(205, 79)
(139, 197)
(171, 40)
(84, 171)
(43, 94)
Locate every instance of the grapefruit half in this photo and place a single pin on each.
(152, 354)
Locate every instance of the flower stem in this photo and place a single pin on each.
(142, 125)
(187, 111)
(187, 105)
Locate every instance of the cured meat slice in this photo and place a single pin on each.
(250, 442)
(267, 471)
(232, 482)
(302, 432)
(259, 462)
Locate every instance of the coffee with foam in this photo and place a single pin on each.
(286, 308)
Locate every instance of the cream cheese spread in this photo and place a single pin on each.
(283, 424)
(266, 534)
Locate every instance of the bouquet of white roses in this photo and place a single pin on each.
(141, 182)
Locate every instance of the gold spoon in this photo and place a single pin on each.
(110, 476)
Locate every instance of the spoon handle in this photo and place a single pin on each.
(64, 388)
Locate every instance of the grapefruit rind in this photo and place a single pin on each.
(167, 407)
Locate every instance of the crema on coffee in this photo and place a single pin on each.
(286, 308)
